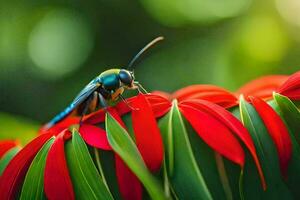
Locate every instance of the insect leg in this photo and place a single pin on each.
(102, 101)
(126, 102)
(140, 87)
(86, 106)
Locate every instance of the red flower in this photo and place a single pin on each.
(204, 107)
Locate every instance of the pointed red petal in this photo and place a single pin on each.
(262, 87)
(14, 174)
(277, 131)
(6, 145)
(94, 136)
(159, 104)
(291, 88)
(219, 137)
(57, 182)
(147, 134)
(130, 187)
(210, 93)
(233, 124)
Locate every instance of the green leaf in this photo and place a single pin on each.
(289, 112)
(276, 188)
(207, 163)
(87, 182)
(291, 116)
(184, 174)
(124, 146)
(108, 165)
(33, 186)
(7, 157)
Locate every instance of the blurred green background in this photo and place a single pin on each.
(50, 49)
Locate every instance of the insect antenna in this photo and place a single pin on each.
(150, 44)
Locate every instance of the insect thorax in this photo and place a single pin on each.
(110, 79)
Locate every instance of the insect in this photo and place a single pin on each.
(108, 86)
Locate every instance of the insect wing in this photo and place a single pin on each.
(82, 96)
(85, 92)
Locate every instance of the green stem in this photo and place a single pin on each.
(166, 181)
(223, 176)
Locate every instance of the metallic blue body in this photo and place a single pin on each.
(109, 80)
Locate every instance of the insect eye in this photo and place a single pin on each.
(125, 77)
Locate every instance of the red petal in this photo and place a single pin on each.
(130, 187)
(6, 145)
(233, 124)
(160, 105)
(57, 180)
(147, 134)
(291, 88)
(122, 108)
(95, 117)
(94, 136)
(14, 174)
(59, 127)
(219, 137)
(207, 92)
(277, 131)
(262, 87)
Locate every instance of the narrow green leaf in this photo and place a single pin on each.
(206, 161)
(165, 125)
(86, 180)
(33, 186)
(109, 169)
(7, 157)
(185, 176)
(276, 188)
(124, 146)
(289, 112)
(291, 116)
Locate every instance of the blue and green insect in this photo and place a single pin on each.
(108, 86)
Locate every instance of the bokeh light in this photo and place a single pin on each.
(263, 39)
(60, 42)
(49, 50)
(289, 10)
(183, 12)
(13, 32)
